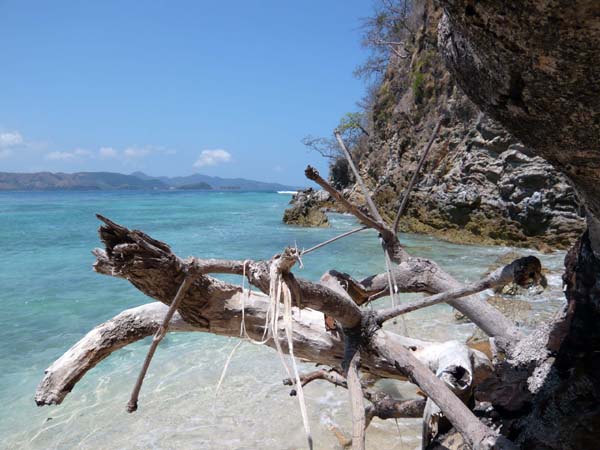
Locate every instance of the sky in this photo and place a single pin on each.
(224, 88)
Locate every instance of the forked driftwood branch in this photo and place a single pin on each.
(379, 405)
(445, 372)
(413, 274)
(210, 305)
(522, 271)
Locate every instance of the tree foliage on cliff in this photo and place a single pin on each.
(389, 31)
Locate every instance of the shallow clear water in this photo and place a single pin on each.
(50, 297)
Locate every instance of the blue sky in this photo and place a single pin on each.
(224, 88)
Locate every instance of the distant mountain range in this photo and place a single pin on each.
(47, 181)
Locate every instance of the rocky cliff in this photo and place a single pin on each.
(480, 184)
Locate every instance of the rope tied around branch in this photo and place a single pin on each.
(283, 291)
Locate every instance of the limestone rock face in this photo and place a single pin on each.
(480, 183)
(533, 66)
(306, 209)
(488, 189)
(527, 64)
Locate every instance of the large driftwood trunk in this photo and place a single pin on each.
(446, 372)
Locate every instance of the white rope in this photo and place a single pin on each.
(279, 292)
(275, 291)
(246, 295)
(287, 322)
(393, 287)
(224, 371)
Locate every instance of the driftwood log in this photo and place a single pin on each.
(333, 330)
(446, 372)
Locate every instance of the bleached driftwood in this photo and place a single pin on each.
(215, 306)
(443, 371)
(414, 274)
(521, 271)
(312, 341)
(379, 405)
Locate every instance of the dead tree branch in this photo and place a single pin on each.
(129, 326)
(415, 174)
(475, 432)
(158, 336)
(210, 305)
(419, 274)
(214, 306)
(331, 376)
(522, 271)
(313, 175)
(380, 405)
(359, 180)
(357, 407)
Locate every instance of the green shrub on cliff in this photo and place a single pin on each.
(417, 86)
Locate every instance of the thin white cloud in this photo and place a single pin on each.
(60, 156)
(213, 157)
(10, 139)
(135, 153)
(11, 142)
(107, 153)
(78, 153)
(83, 153)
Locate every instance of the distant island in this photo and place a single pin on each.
(89, 181)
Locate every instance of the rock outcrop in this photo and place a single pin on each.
(527, 64)
(533, 66)
(480, 183)
(307, 209)
(489, 190)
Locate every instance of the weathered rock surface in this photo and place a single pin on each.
(527, 64)
(480, 184)
(486, 189)
(533, 66)
(306, 209)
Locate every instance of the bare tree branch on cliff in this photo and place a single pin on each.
(389, 31)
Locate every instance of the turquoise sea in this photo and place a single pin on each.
(50, 297)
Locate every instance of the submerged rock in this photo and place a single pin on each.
(536, 286)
